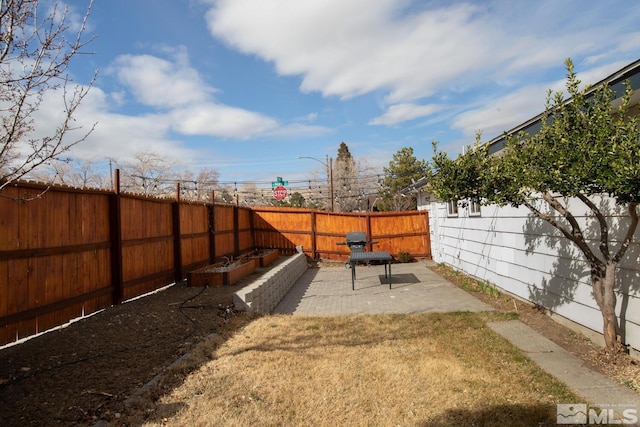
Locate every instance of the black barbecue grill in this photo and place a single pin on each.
(357, 242)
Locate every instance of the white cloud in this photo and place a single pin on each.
(411, 50)
(121, 137)
(404, 112)
(348, 48)
(115, 135)
(296, 130)
(631, 42)
(159, 82)
(220, 120)
(594, 75)
(311, 117)
(182, 106)
(504, 113)
(73, 15)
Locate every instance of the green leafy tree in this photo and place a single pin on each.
(584, 150)
(402, 171)
(296, 200)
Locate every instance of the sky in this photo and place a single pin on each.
(248, 87)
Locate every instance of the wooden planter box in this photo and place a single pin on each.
(264, 258)
(219, 275)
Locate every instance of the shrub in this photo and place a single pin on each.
(405, 257)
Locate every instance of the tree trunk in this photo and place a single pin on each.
(603, 282)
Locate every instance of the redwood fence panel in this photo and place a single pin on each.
(224, 230)
(54, 257)
(244, 231)
(148, 241)
(194, 235)
(66, 253)
(282, 228)
(331, 230)
(401, 232)
(320, 233)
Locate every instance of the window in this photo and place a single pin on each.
(452, 208)
(474, 208)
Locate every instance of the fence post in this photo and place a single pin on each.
(211, 208)
(314, 236)
(369, 236)
(428, 234)
(177, 246)
(115, 231)
(252, 229)
(236, 231)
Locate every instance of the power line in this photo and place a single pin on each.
(251, 182)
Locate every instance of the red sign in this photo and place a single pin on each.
(280, 192)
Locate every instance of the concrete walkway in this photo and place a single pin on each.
(594, 387)
(416, 289)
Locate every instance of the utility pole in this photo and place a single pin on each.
(329, 165)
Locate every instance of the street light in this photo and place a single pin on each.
(329, 167)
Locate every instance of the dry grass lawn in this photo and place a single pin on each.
(415, 370)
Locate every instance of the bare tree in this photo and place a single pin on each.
(200, 186)
(36, 48)
(318, 192)
(148, 174)
(249, 195)
(74, 173)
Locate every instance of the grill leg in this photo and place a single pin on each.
(353, 276)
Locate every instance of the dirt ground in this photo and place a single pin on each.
(86, 372)
(93, 370)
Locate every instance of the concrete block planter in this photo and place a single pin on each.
(264, 293)
(221, 275)
(265, 257)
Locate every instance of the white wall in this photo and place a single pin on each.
(529, 258)
(423, 200)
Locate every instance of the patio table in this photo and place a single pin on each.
(356, 257)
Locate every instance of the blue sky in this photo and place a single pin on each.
(249, 86)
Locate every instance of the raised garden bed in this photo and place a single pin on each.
(222, 274)
(265, 257)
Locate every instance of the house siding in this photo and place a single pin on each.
(526, 257)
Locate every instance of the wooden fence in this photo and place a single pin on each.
(66, 253)
(320, 233)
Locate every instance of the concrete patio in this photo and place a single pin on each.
(414, 289)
